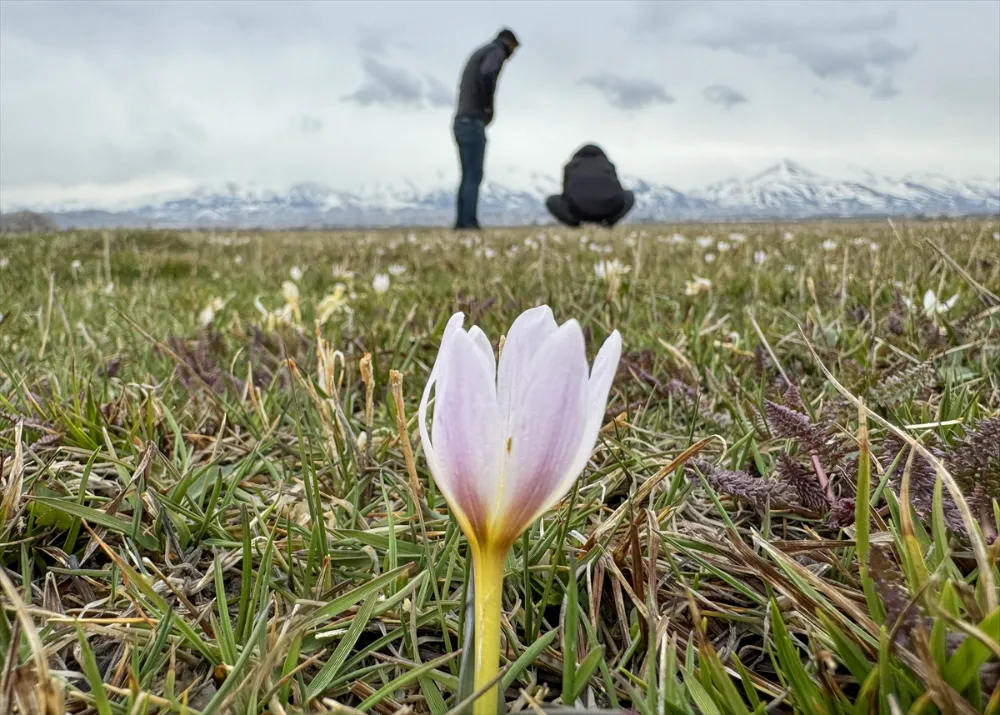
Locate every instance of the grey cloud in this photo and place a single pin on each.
(865, 66)
(438, 94)
(310, 125)
(395, 87)
(724, 95)
(625, 93)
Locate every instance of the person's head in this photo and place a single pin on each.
(509, 39)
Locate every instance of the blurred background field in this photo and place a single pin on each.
(207, 509)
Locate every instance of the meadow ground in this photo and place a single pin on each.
(206, 510)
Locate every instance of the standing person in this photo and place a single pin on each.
(592, 192)
(474, 114)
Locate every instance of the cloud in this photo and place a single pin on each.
(310, 125)
(724, 95)
(395, 87)
(625, 93)
(848, 48)
(437, 93)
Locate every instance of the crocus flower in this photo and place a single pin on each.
(380, 283)
(508, 441)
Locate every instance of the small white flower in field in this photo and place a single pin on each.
(207, 314)
(678, 239)
(583, 239)
(873, 246)
(511, 252)
(468, 242)
(339, 270)
(216, 275)
(332, 303)
(109, 289)
(362, 441)
(789, 236)
(489, 252)
(397, 269)
(556, 238)
(759, 257)
(789, 268)
(295, 273)
(704, 241)
(630, 242)
(709, 257)
(531, 243)
(934, 306)
(380, 283)
(76, 265)
(379, 251)
(829, 245)
(610, 269)
(737, 238)
(859, 241)
(4, 262)
(723, 247)
(508, 441)
(697, 286)
(996, 236)
(411, 238)
(238, 260)
(393, 245)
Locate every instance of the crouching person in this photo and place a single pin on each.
(592, 192)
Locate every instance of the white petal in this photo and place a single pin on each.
(547, 424)
(525, 337)
(466, 433)
(454, 324)
(601, 377)
(948, 304)
(930, 301)
(483, 344)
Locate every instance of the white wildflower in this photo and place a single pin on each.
(411, 238)
(829, 245)
(723, 247)
(4, 262)
(396, 269)
(295, 273)
(789, 236)
(759, 257)
(697, 286)
(380, 283)
(339, 270)
(704, 241)
(609, 270)
(737, 238)
(934, 306)
(76, 265)
(238, 260)
(109, 289)
(489, 252)
(709, 257)
(873, 246)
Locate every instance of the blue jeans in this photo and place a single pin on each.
(470, 135)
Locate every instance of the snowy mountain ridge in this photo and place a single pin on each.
(783, 191)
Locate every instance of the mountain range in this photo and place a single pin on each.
(783, 191)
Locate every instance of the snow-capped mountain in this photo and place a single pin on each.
(785, 190)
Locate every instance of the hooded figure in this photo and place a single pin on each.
(591, 191)
(474, 113)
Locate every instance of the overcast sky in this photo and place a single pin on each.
(112, 98)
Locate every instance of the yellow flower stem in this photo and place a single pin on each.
(488, 567)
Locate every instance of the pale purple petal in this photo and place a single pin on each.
(466, 433)
(524, 339)
(601, 377)
(548, 422)
(483, 344)
(454, 326)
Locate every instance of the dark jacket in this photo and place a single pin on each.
(479, 81)
(590, 184)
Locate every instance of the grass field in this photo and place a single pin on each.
(204, 510)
